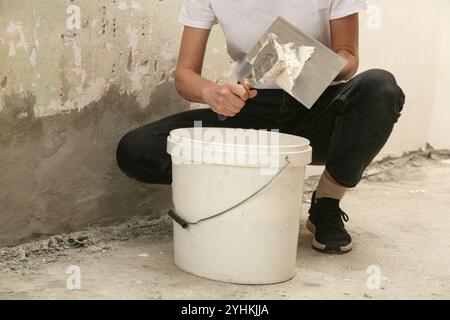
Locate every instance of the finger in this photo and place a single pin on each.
(231, 108)
(236, 101)
(229, 113)
(225, 111)
(240, 91)
(252, 94)
(224, 103)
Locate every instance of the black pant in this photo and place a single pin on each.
(347, 127)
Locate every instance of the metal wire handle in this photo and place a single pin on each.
(185, 224)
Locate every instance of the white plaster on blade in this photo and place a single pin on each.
(290, 63)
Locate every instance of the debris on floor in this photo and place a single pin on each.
(134, 258)
(28, 256)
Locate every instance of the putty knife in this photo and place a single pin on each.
(318, 73)
(253, 73)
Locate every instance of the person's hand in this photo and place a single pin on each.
(228, 99)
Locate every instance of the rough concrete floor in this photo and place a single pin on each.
(400, 217)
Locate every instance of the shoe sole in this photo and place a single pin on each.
(323, 248)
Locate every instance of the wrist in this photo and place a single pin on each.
(207, 88)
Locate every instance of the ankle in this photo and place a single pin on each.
(329, 188)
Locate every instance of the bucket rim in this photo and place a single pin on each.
(191, 151)
(302, 145)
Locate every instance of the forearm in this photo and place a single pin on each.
(351, 68)
(191, 86)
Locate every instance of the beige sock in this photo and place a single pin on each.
(328, 188)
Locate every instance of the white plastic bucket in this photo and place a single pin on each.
(237, 222)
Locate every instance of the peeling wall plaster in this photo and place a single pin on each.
(81, 48)
(74, 77)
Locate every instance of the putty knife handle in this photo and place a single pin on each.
(247, 84)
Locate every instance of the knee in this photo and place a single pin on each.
(381, 82)
(124, 152)
(381, 87)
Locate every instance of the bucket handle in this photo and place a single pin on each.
(185, 224)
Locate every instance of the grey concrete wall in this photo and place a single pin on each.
(74, 77)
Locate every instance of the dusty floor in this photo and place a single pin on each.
(400, 217)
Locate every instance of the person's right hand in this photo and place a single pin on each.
(228, 99)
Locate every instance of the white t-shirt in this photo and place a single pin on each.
(245, 21)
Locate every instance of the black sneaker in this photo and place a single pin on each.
(326, 222)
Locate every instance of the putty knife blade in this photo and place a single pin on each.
(318, 73)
